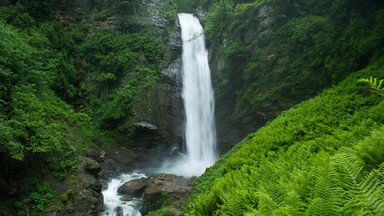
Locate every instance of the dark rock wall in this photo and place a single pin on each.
(164, 109)
(160, 106)
(230, 128)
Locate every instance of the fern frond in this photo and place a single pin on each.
(315, 208)
(235, 207)
(293, 203)
(266, 203)
(376, 86)
(366, 196)
(326, 193)
(380, 84)
(348, 169)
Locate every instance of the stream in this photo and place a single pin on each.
(112, 198)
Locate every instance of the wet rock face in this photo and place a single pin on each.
(151, 11)
(119, 211)
(146, 135)
(165, 190)
(158, 191)
(164, 108)
(92, 167)
(122, 159)
(134, 188)
(169, 103)
(231, 126)
(86, 190)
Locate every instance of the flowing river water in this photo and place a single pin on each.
(200, 130)
(112, 198)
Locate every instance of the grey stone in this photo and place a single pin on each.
(126, 198)
(119, 211)
(145, 126)
(92, 167)
(134, 187)
(166, 189)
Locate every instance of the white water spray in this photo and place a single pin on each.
(112, 198)
(200, 131)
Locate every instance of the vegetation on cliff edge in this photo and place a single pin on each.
(272, 55)
(323, 157)
(66, 85)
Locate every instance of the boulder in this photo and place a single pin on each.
(134, 188)
(119, 211)
(92, 167)
(126, 198)
(145, 126)
(165, 189)
(94, 153)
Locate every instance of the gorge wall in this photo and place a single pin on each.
(234, 123)
(105, 95)
(157, 118)
(267, 56)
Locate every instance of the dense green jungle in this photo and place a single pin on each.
(311, 73)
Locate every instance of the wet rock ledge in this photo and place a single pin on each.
(158, 191)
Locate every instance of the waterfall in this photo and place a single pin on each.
(200, 131)
(198, 97)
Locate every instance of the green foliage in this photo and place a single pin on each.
(70, 208)
(304, 46)
(37, 138)
(16, 16)
(62, 165)
(376, 86)
(118, 67)
(365, 196)
(53, 71)
(322, 157)
(187, 6)
(63, 198)
(27, 101)
(165, 211)
(41, 198)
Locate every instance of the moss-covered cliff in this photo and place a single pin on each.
(78, 77)
(267, 56)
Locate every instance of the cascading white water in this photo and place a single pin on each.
(112, 198)
(198, 96)
(200, 131)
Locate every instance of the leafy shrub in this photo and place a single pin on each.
(41, 198)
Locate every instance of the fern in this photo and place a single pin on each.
(326, 193)
(266, 203)
(235, 207)
(292, 203)
(365, 196)
(375, 85)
